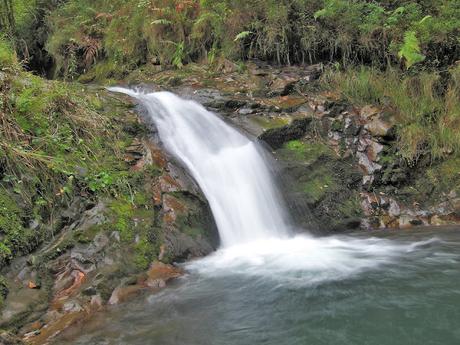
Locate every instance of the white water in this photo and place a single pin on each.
(229, 167)
(234, 176)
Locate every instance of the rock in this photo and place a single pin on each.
(394, 209)
(352, 128)
(276, 137)
(159, 274)
(283, 85)
(373, 150)
(181, 247)
(378, 127)
(246, 111)
(226, 66)
(172, 207)
(368, 166)
(71, 306)
(7, 338)
(122, 293)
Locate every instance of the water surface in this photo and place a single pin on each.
(390, 288)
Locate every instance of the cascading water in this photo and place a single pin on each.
(253, 226)
(229, 167)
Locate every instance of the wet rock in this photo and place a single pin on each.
(122, 293)
(181, 247)
(159, 274)
(276, 137)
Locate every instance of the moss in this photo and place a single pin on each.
(320, 182)
(268, 122)
(305, 152)
(351, 207)
(145, 252)
(193, 232)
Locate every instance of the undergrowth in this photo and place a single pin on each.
(123, 35)
(58, 143)
(426, 104)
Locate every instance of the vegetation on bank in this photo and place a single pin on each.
(114, 37)
(426, 106)
(60, 144)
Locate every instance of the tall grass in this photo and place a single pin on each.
(427, 106)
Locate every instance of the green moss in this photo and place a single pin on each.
(303, 151)
(351, 208)
(145, 252)
(319, 183)
(15, 237)
(268, 122)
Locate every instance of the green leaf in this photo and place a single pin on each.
(410, 50)
(320, 13)
(161, 21)
(242, 35)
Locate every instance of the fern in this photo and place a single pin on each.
(242, 35)
(410, 50)
(161, 21)
(179, 55)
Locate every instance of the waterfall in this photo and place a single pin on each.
(229, 167)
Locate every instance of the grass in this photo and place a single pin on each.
(426, 105)
(8, 58)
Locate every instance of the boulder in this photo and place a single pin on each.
(276, 137)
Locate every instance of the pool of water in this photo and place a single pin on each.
(389, 288)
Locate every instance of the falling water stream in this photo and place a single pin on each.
(266, 285)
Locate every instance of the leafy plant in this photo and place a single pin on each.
(410, 50)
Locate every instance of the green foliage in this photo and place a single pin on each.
(175, 32)
(7, 55)
(410, 50)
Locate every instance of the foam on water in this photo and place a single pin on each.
(303, 260)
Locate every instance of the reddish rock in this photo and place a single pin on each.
(122, 293)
